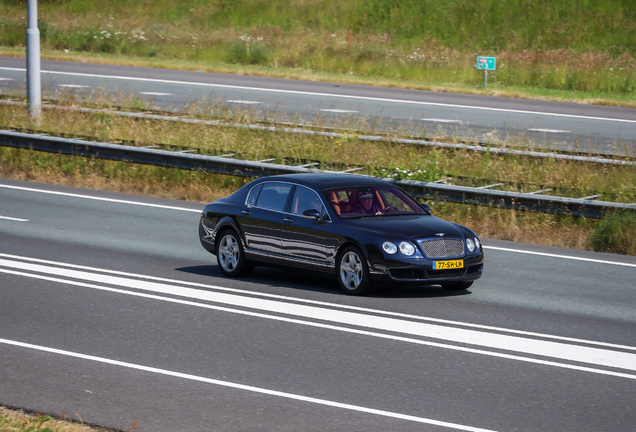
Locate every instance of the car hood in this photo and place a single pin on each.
(412, 226)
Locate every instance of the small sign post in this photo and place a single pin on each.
(486, 64)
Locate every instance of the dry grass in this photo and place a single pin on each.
(566, 178)
(15, 420)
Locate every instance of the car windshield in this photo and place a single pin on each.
(372, 201)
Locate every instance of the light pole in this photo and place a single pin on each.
(34, 92)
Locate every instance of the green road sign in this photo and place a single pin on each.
(486, 63)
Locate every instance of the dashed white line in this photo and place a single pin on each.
(13, 219)
(244, 102)
(549, 130)
(73, 85)
(335, 110)
(339, 96)
(437, 120)
(156, 94)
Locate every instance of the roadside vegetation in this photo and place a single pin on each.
(562, 49)
(565, 178)
(12, 420)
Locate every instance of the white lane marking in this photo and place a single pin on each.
(549, 130)
(13, 219)
(335, 110)
(98, 198)
(244, 102)
(330, 327)
(549, 349)
(560, 256)
(156, 94)
(321, 303)
(260, 390)
(6, 79)
(73, 85)
(199, 211)
(339, 96)
(437, 120)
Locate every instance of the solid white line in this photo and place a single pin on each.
(330, 327)
(260, 390)
(321, 303)
(339, 96)
(73, 85)
(561, 256)
(98, 198)
(6, 79)
(13, 219)
(198, 211)
(556, 350)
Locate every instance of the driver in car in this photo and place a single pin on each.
(365, 204)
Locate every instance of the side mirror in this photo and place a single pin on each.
(426, 207)
(311, 214)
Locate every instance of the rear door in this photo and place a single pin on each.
(263, 217)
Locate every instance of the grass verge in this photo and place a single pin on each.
(15, 420)
(561, 50)
(566, 178)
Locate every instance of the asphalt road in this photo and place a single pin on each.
(540, 124)
(111, 310)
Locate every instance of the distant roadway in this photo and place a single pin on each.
(110, 311)
(540, 124)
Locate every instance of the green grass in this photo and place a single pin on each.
(566, 178)
(562, 49)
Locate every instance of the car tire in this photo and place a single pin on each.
(230, 255)
(458, 286)
(352, 272)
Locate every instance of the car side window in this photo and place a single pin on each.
(274, 196)
(305, 199)
(251, 200)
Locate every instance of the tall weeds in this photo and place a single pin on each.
(562, 45)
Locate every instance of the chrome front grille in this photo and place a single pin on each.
(442, 248)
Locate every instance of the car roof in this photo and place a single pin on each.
(330, 180)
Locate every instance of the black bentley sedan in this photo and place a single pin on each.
(364, 230)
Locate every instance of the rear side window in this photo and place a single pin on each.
(254, 195)
(273, 196)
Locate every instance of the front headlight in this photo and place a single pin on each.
(389, 248)
(407, 248)
(477, 243)
(470, 245)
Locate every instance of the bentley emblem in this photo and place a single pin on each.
(440, 234)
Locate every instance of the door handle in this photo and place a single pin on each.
(288, 220)
(246, 212)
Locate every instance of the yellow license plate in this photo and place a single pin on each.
(443, 265)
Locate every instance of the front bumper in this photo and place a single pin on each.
(420, 272)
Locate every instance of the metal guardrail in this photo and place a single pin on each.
(226, 165)
(370, 138)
